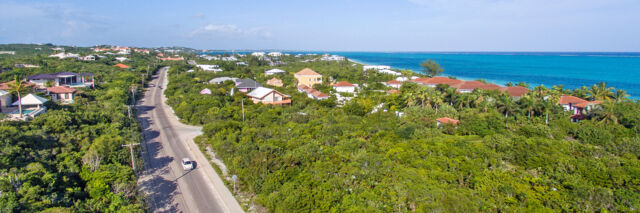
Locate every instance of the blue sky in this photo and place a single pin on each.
(342, 25)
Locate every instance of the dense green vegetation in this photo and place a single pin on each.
(506, 155)
(70, 159)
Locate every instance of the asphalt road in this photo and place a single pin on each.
(168, 187)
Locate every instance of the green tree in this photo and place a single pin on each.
(431, 68)
(506, 105)
(19, 87)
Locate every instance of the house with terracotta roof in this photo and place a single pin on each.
(569, 102)
(577, 106)
(393, 83)
(344, 86)
(275, 82)
(435, 81)
(312, 93)
(446, 120)
(308, 77)
(171, 58)
(122, 66)
(63, 94)
(467, 86)
(269, 96)
(515, 92)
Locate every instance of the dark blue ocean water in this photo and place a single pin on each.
(572, 70)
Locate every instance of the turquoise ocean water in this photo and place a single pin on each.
(572, 70)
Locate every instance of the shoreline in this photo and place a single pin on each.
(499, 83)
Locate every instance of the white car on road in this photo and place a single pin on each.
(187, 164)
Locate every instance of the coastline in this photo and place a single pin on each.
(492, 81)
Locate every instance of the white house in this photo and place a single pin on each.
(89, 58)
(375, 67)
(121, 59)
(230, 58)
(344, 86)
(205, 91)
(275, 54)
(258, 54)
(63, 79)
(388, 71)
(31, 106)
(242, 63)
(220, 80)
(65, 55)
(5, 99)
(274, 71)
(208, 67)
(327, 57)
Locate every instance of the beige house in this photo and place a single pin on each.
(275, 82)
(269, 96)
(61, 94)
(308, 77)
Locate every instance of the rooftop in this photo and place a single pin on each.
(307, 71)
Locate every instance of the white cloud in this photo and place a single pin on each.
(48, 21)
(229, 30)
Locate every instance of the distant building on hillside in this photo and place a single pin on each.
(274, 71)
(344, 86)
(209, 67)
(446, 120)
(375, 67)
(275, 82)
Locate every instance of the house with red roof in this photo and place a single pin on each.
(577, 106)
(467, 86)
(63, 94)
(122, 66)
(515, 92)
(312, 93)
(344, 86)
(446, 120)
(435, 81)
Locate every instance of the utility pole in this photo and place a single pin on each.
(235, 179)
(243, 110)
(133, 94)
(133, 159)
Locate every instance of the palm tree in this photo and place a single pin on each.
(423, 95)
(506, 105)
(621, 96)
(606, 113)
(18, 87)
(600, 91)
(437, 101)
(527, 103)
(451, 95)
